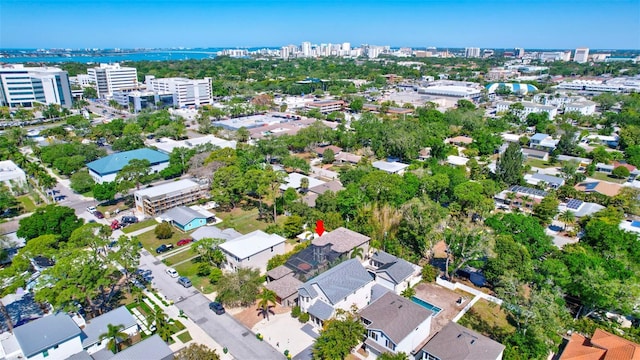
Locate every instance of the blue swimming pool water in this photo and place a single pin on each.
(635, 223)
(436, 310)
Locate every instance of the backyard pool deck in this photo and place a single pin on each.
(443, 298)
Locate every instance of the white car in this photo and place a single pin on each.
(91, 209)
(172, 272)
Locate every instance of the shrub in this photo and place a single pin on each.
(204, 269)
(295, 311)
(215, 275)
(163, 231)
(430, 273)
(303, 318)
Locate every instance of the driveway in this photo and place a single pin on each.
(224, 329)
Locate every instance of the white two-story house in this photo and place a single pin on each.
(340, 287)
(395, 324)
(394, 273)
(252, 250)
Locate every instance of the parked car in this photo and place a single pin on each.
(184, 282)
(164, 248)
(172, 272)
(98, 214)
(184, 242)
(216, 307)
(92, 209)
(129, 219)
(115, 225)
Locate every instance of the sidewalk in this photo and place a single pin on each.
(197, 334)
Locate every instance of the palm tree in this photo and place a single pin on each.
(267, 300)
(115, 335)
(162, 325)
(409, 292)
(526, 201)
(511, 196)
(357, 252)
(567, 217)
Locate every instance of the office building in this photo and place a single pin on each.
(519, 53)
(326, 106)
(137, 101)
(110, 78)
(12, 175)
(472, 52)
(186, 92)
(156, 200)
(581, 55)
(25, 86)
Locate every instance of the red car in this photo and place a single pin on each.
(184, 242)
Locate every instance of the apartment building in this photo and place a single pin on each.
(581, 55)
(25, 86)
(156, 200)
(110, 78)
(187, 92)
(529, 108)
(472, 52)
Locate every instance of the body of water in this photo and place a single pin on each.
(162, 55)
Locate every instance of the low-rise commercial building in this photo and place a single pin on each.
(105, 169)
(139, 100)
(187, 92)
(11, 175)
(529, 107)
(326, 106)
(155, 200)
(585, 107)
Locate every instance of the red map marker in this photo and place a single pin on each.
(319, 227)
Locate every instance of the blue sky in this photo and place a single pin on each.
(604, 24)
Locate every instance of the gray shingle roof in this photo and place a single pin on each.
(279, 272)
(212, 232)
(82, 355)
(397, 269)
(394, 315)
(152, 348)
(321, 310)
(340, 281)
(549, 179)
(45, 333)
(342, 239)
(285, 286)
(98, 326)
(456, 342)
(182, 215)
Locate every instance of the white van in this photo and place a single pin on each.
(172, 272)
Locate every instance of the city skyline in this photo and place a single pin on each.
(248, 23)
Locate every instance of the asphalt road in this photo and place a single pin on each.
(224, 329)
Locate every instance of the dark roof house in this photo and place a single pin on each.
(456, 342)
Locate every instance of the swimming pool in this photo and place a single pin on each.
(436, 310)
(635, 223)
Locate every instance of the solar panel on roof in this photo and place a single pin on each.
(574, 204)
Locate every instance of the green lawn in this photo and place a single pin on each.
(190, 269)
(139, 225)
(488, 319)
(27, 203)
(605, 177)
(537, 163)
(151, 242)
(185, 337)
(180, 256)
(244, 221)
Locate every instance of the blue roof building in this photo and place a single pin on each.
(106, 168)
(515, 88)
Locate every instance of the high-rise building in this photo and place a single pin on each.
(112, 77)
(284, 52)
(519, 53)
(346, 49)
(472, 52)
(306, 49)
(581, 55)
(25, 86)
(186, 92)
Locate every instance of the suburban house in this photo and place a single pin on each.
(608, 169)
(310, 197)
(460, 140)
(343, 241)
(212, 232)
(105, 169)
(602, 346)
(395, 324)
(519, 197)
(341, 287)
(535, 154)
(155, 200)
(252, 250)
(543, 142)
(424, 154)
(294, 181)
(391, 167)
(392, 272)
(52, 337)
(580, 208)
(345, 157)
(11, 175)
(601, 187)
(455, 160)
(185, 218)
(90, 336)
(548, 181)
(456, 342)
(581, 162)
(151, 348)
(321, 149)
(607, 140)
(282, 281)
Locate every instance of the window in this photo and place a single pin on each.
(272, 249)
(45, 353)
(373, 335)
(55, 347)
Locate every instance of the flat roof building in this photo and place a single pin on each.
(110, 78)
(452, 91)
(105, 169)
(326, 106)
(25, 86)
(187, 92)
(12, 175)
(156, 200)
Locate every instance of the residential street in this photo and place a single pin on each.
(224, 329)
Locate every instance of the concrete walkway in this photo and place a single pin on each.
(478, 295)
